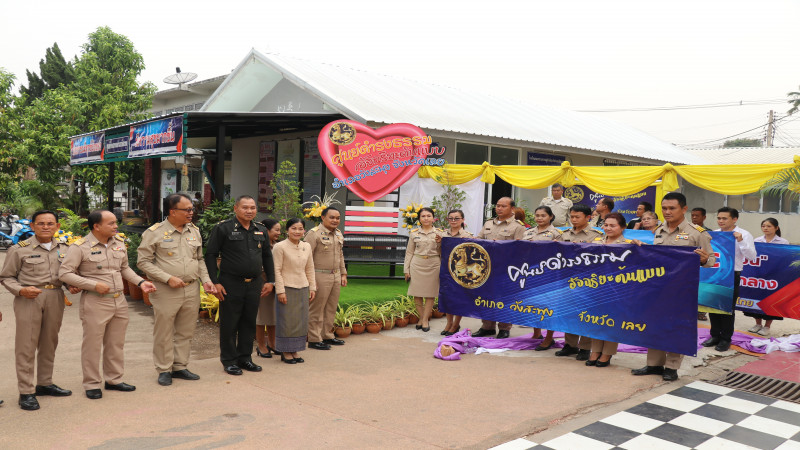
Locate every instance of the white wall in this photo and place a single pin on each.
(244, 167)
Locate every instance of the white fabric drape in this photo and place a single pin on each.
(423, 190)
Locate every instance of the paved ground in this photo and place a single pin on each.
(378, 391)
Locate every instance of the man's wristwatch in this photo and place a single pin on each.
(140, 283)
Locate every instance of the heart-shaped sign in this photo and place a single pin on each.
(372, 163)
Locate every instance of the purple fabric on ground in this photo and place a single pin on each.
(463, 342)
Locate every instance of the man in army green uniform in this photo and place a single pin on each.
(244, 246)
(326, 243)
(503, 228)
(676, 230)
(30, 273)
(171, 254)
(97, 263)
(581, 232)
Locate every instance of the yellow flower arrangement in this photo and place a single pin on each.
(313, 210)
(411, 215)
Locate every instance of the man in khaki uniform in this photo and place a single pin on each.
(676, 231)
(581, 232)
(30, 273)
(559, 204)
(171, 254)
(503, 228)
(326, 243)
(97, 263)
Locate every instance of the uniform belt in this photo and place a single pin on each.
(49, 286)
(111, 294)
(426, 256)
(326, 271)
(188, 282)
(239, 277)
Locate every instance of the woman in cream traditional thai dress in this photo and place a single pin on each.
(421, 266)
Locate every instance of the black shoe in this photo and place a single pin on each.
(124, 387)
(288, 360)
(723, 346)
(28, 402)
(603, 364)
(583, 355)
(270, 349)
(541, 348)
(710, 342)
(502, 334)
(670, 375)
(591, 362)
(1, 402)
(165, 378)
(568, 350)
(333, 341)
(53, 390)
(426, 329)
(649, 370)
(483, 333)
(184, 374)
(263, 355)
(299, 360)
(94, 394)
(319, 346)
(419, 327)
(249, 366)
(444, 333)
(233, 369)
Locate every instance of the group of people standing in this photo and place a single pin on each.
(250, 272)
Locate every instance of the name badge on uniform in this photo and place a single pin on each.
(236, 233)
(98, 252)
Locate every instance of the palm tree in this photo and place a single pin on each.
(786, 181)
(794, 99)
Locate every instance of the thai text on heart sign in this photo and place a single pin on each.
(372, 163)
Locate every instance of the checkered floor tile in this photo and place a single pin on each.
(698, 415)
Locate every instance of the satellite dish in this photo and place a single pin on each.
(179, 77)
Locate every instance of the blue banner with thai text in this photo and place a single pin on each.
(86, 149)
(770, 284)
(157, 138)
(625, 204)
(716, 283)
(644, 296)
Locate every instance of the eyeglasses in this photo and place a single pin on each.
(453, 219)
(186, 210)
(45, 224)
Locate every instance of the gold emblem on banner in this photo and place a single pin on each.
(469, 265)
(342, 133)
(574, 193)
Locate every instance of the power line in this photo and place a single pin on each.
(681, 107)
(760, 127)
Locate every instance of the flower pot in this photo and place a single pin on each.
(342, 332)
(359, 328)
(136, 291)
(204, 314)
(412, 319)
(374, 327)
(387, 324)
(436, 314)
(401, 322)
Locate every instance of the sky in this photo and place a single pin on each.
(599, 56)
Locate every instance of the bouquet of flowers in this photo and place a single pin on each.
(411, 215)
(313, 209)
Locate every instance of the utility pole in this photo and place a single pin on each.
(770, 127)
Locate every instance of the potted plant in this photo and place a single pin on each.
(436, 314)
(373, 318)
(388, 315)
(356, 319)
(342, 323)
(409, 308)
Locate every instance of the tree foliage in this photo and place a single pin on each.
(286, 194)
(742, 142)
(794, 100)
(451, 198)
(97, 90)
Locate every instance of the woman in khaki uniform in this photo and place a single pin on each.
(455, 219)
(543, 231)
(614, 226)
(421, 266)
(265, 321)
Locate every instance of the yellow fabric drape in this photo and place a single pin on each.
(616, 180)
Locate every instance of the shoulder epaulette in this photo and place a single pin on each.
(560, 231)
(413, 230)
(698, 227)
(119, 238)
(520, 222)
(80, 241)
(24, 243)
(191, 225)
(628, 241)
(223, 220)
(154, 227)
(598, 238)
(315, 228)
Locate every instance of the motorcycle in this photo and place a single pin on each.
(19, 230)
